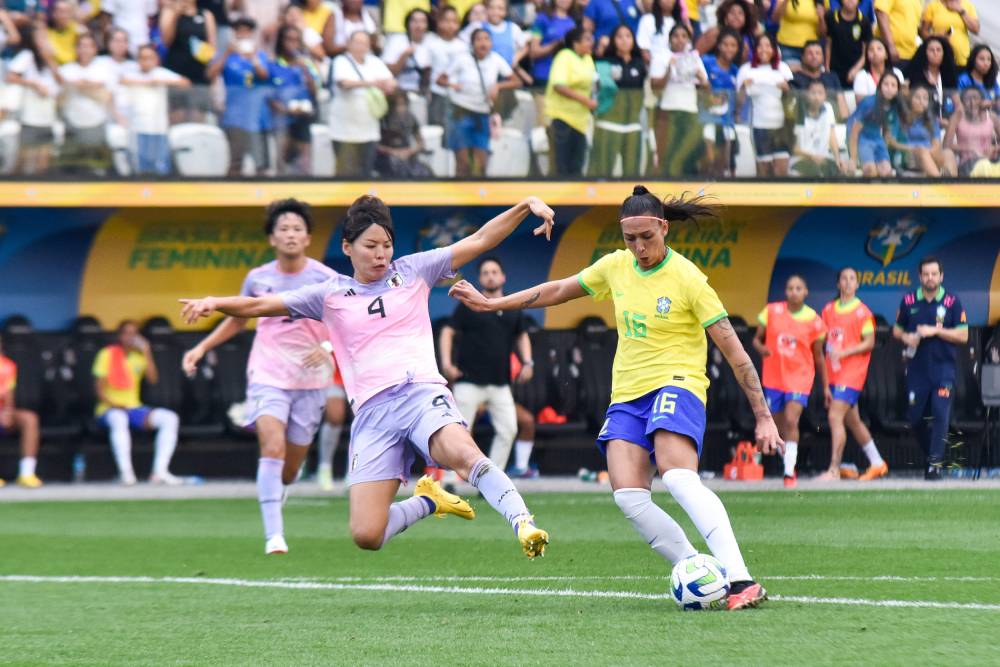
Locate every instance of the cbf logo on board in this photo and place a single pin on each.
(890, 241)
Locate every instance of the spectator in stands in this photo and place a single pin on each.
(394, 14)
(32, 71)
(764, 80)
(400, 147)
(866, 7)
(653, 34)
(973, 132)
(18, 420)
(86, 107)
(719, 117)
(10, 36)
(817, 151)
(190, 37)
(119, 370)
(475, 79)
(133, 17)
(482, 373)
(923, 137)
(876, 63)
(350, 16)
(293, 81)
(601, 17)
(61, 33)
(312, 40)
(508, 40)
(954, 20)
(569, 102)
(149, 120)
(547, 33)
(981, 73)
(930, 323)
(848, 31)
(765, 14)
(407, 56)
(790, 341)
(318, 15)
(933, 66)
(898, 25)
(266, 14)
(224, 12)
(362, 82)
(738, 15)
(876, 117)
(444, 46)
(811, 69)
(20, 12)
(246, 74)
(617, 125)
(679, 73)
(118, 62)
(693, 11)
(800, 22)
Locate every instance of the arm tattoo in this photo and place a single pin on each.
(726, 330)
(531, 299)
(747, 376)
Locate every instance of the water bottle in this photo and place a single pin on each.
(79, 467)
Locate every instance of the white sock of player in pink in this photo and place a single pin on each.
(405, 513)
(498, 491)
(709, 517)
(658, 528)
(269, 489)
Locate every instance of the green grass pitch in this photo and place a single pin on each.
(867, 577)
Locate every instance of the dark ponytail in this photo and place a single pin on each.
(672, 209)
(366, 211)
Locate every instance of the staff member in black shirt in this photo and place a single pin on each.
(482, 374)
(931, 322)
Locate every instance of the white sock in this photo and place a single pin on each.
(522, 453)
(871, 451)
(269, 490)
(121, 442)
(166, 424)
(660, 531)
(498, 491)
(791, 456)
(329, 438)
(709, 517)
(27, 466)
(405, 513)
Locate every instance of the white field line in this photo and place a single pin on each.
(664, 577)
(413, 588)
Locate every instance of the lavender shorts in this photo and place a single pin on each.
(301, 410)
(392, 424)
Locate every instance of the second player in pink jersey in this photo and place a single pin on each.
(380, 327)
(289, 370)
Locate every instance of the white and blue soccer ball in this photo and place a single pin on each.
(699, 582)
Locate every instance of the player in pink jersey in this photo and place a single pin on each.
(380, 327)
(290, 368)
(849, 341)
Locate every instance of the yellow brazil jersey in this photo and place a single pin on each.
(947, 23)
(661, 314)
(125, 397)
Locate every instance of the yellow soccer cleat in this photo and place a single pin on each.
(533, 539)
(446, 503)
(29, 481)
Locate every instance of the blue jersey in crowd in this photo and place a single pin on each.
(609, 14)
(723, 83)
(550, 29)
(966, 81)
(246, 94)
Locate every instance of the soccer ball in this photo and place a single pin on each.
(699, 582)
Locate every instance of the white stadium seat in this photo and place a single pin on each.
(199, 150)
(321, 151)
(441, 160)
(118, 142)
(746, 165)
(510, 156)
(9, 136)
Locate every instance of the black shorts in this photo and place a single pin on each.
(195, 98)
(35, 137)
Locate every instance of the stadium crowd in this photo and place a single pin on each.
(568, 88)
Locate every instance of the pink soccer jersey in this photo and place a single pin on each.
(282, 343)
(381, 332)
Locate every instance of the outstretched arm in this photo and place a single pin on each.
(270, 305)
(229, 328)
(540, 296)
(496, 230)
(725, 338)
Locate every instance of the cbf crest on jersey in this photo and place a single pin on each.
(663, 306)
(395, 280)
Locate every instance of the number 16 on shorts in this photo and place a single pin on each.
(666, 403)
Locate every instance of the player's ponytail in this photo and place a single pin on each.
(642, 202)
(367, 210)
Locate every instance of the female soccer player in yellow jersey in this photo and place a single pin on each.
(663, 304)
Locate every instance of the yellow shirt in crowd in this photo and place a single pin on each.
(799, 25)
(904, 21)
(945, 22)
(577, 73)
(395, 11)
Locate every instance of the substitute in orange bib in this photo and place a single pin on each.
(24, 422)
(790, 339)
(850, 337)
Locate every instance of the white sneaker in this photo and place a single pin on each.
(165, 478)
(276, 545)
(128, 479)
(324, 475)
